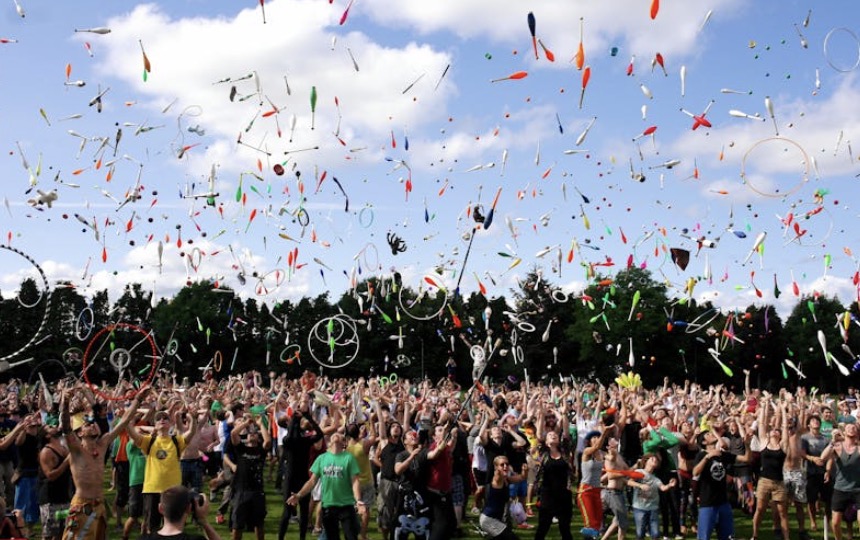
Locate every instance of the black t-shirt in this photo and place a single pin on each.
(28, 456)
(631, 446)
(555, 477)
(712, 481)
(493, 450)
(414, 478)
(388, 457)
(250, 461)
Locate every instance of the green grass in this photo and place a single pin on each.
(274, 507)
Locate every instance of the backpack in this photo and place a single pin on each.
(175, 444)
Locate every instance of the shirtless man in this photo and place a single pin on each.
(614, 495)
(87, 448)
(794, 475)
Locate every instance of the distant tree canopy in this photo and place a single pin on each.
(615, 325)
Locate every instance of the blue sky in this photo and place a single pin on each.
(379, 76)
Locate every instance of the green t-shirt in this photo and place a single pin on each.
(136, 464)
(336, 472)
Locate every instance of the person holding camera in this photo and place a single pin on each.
(249, 497)
(176, 505)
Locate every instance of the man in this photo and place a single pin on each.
(341, 490)
(177, 504)
(715, 512)
(54, 460)
(360, 447)
(162, 461)
(440, 483)
(391, 445)
(818, 486)
(87, 448)
(846, 484)
(249, 498)
(7, 457)
(301, 435)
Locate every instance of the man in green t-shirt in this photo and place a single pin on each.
(338, 472)
(136, 470)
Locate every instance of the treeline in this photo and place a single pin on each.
(413, 331)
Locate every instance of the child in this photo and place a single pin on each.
(646, 498)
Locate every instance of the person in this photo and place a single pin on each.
(302, 433)
(12, 524)
(411, 510)
(646, 496)
(390, 446)
(614, 494)
(359, 446)
(493, 518)
(163, 452)
(7, 456)
(554, 478)
(54, 490)
(249, 497)
(771, 485)
(439, 482)
(136, 476)
(177, 504)
(715, 511)
(340, 490)
(87, 449)
(588, 496)
(818, 486)
(24, 437)
(845, 451)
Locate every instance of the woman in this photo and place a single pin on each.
(492, 520)
(770, 484)
(588, 497)
(553, 481)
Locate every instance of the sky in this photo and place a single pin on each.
(158, 131)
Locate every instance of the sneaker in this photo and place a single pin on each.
(679, 537)
(589, 532)
(529, 512)
(474, 511)
(219, 519)
(525, 525)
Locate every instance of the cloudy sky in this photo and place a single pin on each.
(382, 119)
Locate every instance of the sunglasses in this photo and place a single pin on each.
(505, 464)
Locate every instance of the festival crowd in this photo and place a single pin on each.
(431, 460)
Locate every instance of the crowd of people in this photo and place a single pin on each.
(431, 460)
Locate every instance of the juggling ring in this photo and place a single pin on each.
(402, 360)
(85, 321)
(344, 323)
(291, 352)
(659, 243)
(172, 347)
(478, 354)
(261, 289)
(35, 373)
(302, 216)
(218, 361)
(390, 379)
(44, 321)
(418, 317)
(153, 366)
(195, 259)
(361, 219)
(559, 296)
(775, 195)
(73, 356)
(363, 254)
(696, 324)
(827, 54)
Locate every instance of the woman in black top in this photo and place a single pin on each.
(770, 483)
(303, 432)
(554, 480)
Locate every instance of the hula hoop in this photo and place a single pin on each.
(41, 328)
(807, 218)
(363, 255)
(776, 195)
(362, 220)
(420, 296)
(218, 361)
(34, 374)
(696, 324)
(88, 355)
(402, 361)
(86, 321)
(827, 53)
(262, 289)
(334, 339)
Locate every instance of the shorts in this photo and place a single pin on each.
(51, 526)
(458, 490)
(770, 490)
(151, 516)
(843, 499)
(86, 520)
(121, 483)
(616, 501)
(249, 510)
(491, 526)
(135, 501)
(795, 485)
(368, 494)
(387, 504)
(480, 477)
(520, 489)
(817, 489)
(534, 465)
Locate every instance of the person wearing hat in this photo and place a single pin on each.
(87, 448)
(588, 497)
(163, 449)
(715, 511)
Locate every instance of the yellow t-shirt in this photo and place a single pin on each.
(365, 474)
(162, 463)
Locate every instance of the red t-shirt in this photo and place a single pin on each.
(439, 478)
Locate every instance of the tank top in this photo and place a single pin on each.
(497, 498)
(55, 491)
(771, 464)
(847, 472)
(591, 472)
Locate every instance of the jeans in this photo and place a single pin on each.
(647, 522)
(337, 518)
(716, 517)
